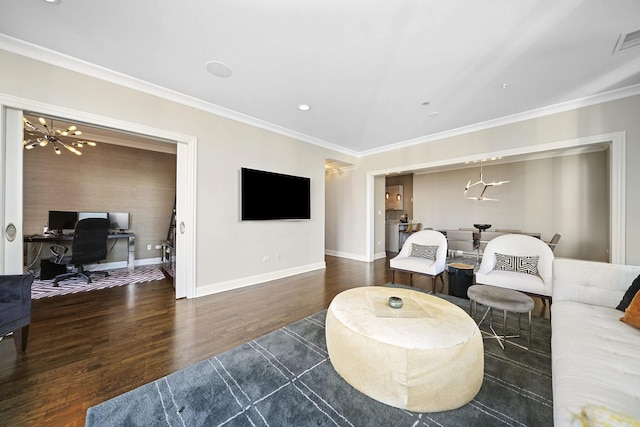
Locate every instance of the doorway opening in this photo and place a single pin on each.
(131, 178)
(11, 128)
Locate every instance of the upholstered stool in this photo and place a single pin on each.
(503, 299)
(426, 356)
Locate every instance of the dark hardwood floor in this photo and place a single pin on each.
(86, 348)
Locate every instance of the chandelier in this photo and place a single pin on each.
(484, 189)
(36, 136)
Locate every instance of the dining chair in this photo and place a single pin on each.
(554, 241)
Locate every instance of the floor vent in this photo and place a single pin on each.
(627, 41)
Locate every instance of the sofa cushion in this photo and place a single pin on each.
(423, 251)
(513, 280)
(415, 264)
(593, 415)
(590, 282)
(521, 264)
(632, 313)
(628, 296)
(596, 360)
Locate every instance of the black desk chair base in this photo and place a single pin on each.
(79, 273)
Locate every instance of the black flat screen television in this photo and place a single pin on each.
(270, 195)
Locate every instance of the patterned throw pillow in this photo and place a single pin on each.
(521, 264)
(423, 251)
(628, 296)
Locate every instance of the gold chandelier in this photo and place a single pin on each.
(485, 186)
(38, 137)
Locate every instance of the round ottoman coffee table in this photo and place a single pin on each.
(427, 356)
(504, 299)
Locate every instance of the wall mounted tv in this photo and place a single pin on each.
(270, 195)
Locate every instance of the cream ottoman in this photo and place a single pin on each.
(426, 356)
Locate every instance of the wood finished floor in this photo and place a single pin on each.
(86, 348)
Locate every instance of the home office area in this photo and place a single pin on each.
(61, 227)
(117, 178)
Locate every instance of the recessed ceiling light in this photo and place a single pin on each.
(218, 69)
(434, 113)
(304, 107)
(52, 1)
(504, 85)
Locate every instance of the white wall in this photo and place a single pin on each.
(379, 214)
(229, 252)
(567, 194)
(609, 117)
(343, 229)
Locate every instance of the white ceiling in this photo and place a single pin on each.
(364, 66)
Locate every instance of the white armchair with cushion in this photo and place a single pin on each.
(424, 252)
(517, 261)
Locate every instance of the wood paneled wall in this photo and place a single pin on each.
(106, 178)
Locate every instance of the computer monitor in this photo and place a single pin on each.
(62, 220)
(83, 215)
(119, 221)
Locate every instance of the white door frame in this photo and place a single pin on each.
(185, 280)
(11, 183)
(617, 185)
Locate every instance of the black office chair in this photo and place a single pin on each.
(89, 246)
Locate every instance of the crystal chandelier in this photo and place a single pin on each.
(36, 136)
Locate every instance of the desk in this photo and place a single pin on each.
(131, 237)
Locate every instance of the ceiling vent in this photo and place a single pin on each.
(627, 41)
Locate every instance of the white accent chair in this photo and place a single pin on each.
(519, 245)
(486, 237)
(433, 268)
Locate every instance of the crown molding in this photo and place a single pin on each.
(39, 53)
(519, 117)
(49, 56)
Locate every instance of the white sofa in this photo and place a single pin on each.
(595, 356)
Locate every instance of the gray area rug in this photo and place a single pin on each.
(285, 378)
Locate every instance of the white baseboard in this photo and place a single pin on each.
(355, 257)
(215, 288)
(122, 264)
(380, 255)
(147, 261)
(347, 255)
